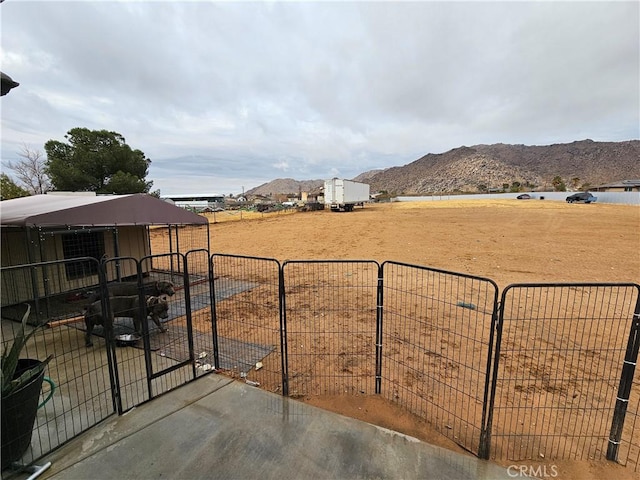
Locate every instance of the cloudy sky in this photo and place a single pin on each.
(226, 95)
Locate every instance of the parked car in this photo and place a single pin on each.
(524, 196)
(581, 197)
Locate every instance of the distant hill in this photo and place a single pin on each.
(580, 163)
(366, 176)
(491, 166)
(285, 185)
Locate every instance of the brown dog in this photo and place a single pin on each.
(128, 306)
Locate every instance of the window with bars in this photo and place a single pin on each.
(82, 244)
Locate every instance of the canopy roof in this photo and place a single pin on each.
(104, 210)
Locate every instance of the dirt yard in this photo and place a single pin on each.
(508, 241)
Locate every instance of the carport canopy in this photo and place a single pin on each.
(56, 210)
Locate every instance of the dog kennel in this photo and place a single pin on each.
(54, 227)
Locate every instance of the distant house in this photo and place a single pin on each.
(623, 186)
(259, 199)
(313, 196)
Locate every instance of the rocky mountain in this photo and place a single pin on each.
(285, 185)
(472, 169)
(366, 176)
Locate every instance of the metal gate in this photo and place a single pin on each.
(78, 394)
(330, 318)
(437, 336)
(564, 373)
(247, 320)
(165, 357)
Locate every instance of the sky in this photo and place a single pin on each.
(225, 96)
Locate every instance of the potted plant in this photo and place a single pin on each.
(21, 384)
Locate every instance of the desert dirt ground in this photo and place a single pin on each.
(508, 241)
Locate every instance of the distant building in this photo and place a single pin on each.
(199, 202)
(623, 186)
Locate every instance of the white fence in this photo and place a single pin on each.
(626, 198)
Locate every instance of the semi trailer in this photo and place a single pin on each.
(343, 195)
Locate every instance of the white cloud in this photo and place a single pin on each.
(281, 165)
(247, 91)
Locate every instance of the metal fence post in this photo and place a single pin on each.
(112, 361)
(283, 331)
(214, 318)
(379, 305)
(148, 362)
(484, 449)
(624, 388)
(188, 312)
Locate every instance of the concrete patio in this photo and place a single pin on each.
(219, 428)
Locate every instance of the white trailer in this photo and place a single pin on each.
(343, 195)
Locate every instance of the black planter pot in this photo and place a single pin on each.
(19, 410)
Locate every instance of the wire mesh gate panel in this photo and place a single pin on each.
(82, 395)
(92, 383)
(164, 358)
(130, 384)
(436, 347)
(178, 239)
(199, 298)
(170, 353)
(247, 321)
(331, 325)
(559, 360)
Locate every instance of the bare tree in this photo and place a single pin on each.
(31, 170)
